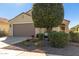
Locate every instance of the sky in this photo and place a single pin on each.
(10, 10)
(71, 12)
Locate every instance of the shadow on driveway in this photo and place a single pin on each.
(13, 40)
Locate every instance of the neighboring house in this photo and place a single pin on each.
(75, 28)
(22, 25)
(4, 25)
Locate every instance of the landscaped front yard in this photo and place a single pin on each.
(71, 50)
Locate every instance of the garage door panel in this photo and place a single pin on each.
(23, 29)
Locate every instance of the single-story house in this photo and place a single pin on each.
(75, 29)
(4, 25)
(22, 25)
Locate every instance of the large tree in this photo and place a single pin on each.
(47, 15)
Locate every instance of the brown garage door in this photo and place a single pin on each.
(23, 29)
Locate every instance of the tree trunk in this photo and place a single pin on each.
(49, 29)
(40, 30)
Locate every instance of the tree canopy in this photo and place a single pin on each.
(47, 15)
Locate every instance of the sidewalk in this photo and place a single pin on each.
(6, 52)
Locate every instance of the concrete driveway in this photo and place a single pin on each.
(7, 41)
(6, 52)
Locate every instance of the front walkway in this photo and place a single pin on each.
(7, 41)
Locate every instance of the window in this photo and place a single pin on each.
(63, 28)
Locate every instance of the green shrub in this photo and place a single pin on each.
(3, 33)
(40, 36)
(58, 39)
(74, 37)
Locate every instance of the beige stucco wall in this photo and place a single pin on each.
(38, 30)
(67, 29)
(42, 30)
(11, 30)
(21, 19)
(56, 29)
(66, 25)
(4, 27)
